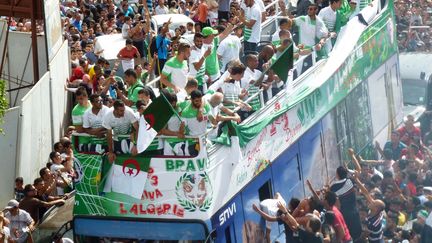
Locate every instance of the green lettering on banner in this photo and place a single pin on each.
(201, 163)
(186, 166)
(169, 165)
(190, 166)
(309, 107)
(179, 163)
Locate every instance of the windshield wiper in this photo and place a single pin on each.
(413, 104)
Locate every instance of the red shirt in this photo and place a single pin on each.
(412, 188)
(407, 136)
(340, 221)
(125, 53)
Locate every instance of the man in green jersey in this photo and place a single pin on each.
(175, 72)
(196, 114)
(77, 116)
(211, 40)
(134, 85)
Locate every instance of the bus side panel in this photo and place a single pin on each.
(261, 188)
(330, 141)
(380, 99)
(360, 121)
(287, 180)
(312, 157)
(228, 222)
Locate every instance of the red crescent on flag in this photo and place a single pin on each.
(133, 162)
(150, 120)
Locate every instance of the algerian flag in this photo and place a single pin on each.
(127, 175)
(154, 118)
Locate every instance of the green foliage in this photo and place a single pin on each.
(4, 105)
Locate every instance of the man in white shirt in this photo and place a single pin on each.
(21, 223)
(251, 75)
(328, 16)
(92, 122)
(229, 48)
(197, 61)
(261, 6)
(118, 121)
(126, 28)
(161, 8)
(311, 27)
(252, 21)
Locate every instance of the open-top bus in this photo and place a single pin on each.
(350, 99)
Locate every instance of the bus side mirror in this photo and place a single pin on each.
(422, 75)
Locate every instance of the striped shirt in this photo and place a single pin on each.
(195, 56)
(252, 89)
(364, 3)
(344, 189)
(231, 92)
(328, 16)
(375, 227)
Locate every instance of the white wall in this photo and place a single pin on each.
(34, 144)
(59, 71)
(43, 117)
(17, 52)
(8, 143)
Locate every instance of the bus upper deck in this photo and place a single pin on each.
(298, 134)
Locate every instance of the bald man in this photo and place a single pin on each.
(265, 55)
(219, 111)
(374, 220)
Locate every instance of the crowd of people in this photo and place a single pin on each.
(31, 200)
(210, 80)
(386, 200)
(414, 25)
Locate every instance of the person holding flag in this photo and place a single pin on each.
(152, 121)
(311, 27)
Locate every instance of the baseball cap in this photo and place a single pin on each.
(422, 214)
(12, 204)
(206, 31)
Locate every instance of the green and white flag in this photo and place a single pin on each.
(127, 175)
(154, 118)
(283, 63)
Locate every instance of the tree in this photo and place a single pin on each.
(4, 105)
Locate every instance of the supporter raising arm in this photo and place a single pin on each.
(374, 221)
(310, 233)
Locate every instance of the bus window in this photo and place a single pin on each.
(265, 191)
(228, 235)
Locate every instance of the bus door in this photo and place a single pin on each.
(312, 154)
(287, 180)
(228, 221)
(254, 226)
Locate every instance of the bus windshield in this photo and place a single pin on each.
(414, 91)
(89, 229)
